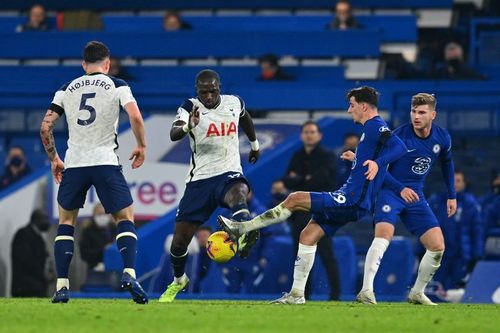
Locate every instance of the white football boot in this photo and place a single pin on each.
(366, 297)
(419, 298)
(288, 298)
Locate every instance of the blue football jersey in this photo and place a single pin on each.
(412, 169)
(377, 144)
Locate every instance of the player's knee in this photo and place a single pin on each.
(436, 247)
(294, 200)
(384, 230)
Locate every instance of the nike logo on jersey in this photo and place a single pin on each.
(410, 150)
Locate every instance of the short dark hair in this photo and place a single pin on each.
(364, 94)
(270, 58)
(95, 51)
(207, 75)
(310, 122)
(460, 172)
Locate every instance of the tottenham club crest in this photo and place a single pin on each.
(422, 165)
(436, 149)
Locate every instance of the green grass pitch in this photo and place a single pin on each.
(95, 316)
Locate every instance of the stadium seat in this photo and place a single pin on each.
(61, 45)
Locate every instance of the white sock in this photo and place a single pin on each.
(372, 261)
(303, 265)
(62, 283)
(130, 271)
(428, 266)
(272, 216)
(181, 279)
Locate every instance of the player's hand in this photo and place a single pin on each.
(253, 156)
(138, 156)
(372, 169)
(194, 118)
(409, 196)
(348, 156)
(451, 207)
(57, 167)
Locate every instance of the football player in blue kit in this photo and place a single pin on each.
(211, 121)
(331, 210)
(402, 195)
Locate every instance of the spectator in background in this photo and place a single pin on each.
(30, 271)
(343, 17)
(491, 205)
(172, 22)
(271, 70)
(16, 167)
(116, 70)
(351, 141)
(37, 21)
(312, 168)
(79, 20)
(454, 67)
(278, 193)
(463, 235)
(97, 234)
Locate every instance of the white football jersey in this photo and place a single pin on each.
(91, 104)
(214, 142)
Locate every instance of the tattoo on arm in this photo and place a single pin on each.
(47, 135)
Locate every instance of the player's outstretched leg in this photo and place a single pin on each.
(236, 199)
(126, 240)
(433, 241)
(183, 234)
(383, 233)
(295, 201)
(309, 237)
(63, 253)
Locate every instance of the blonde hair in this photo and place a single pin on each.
(423, 99)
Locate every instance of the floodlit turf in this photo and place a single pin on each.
(96, 316)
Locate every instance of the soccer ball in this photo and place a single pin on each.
(220, 248)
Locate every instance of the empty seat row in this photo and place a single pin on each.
(222, 4)
(398, 28)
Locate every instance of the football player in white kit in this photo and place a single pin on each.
(215, 177)
(91, 104)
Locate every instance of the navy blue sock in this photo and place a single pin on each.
(126, 240)
(241, 212)
(178, 258)
(63, 249)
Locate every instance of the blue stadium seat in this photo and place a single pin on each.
(398, 28)
(186, 44)
(278, 274)
(345, 253)
(396, 270)
(222, 4)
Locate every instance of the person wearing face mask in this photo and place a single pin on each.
(271, 69)
(16, 167)
(98, 233)
(454, 66)
(30, 276)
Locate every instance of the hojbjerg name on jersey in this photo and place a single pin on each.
(89, 82)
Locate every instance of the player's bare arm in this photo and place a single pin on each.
(249, 129)
(137, 123)
(47, 135)
(180, 128)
